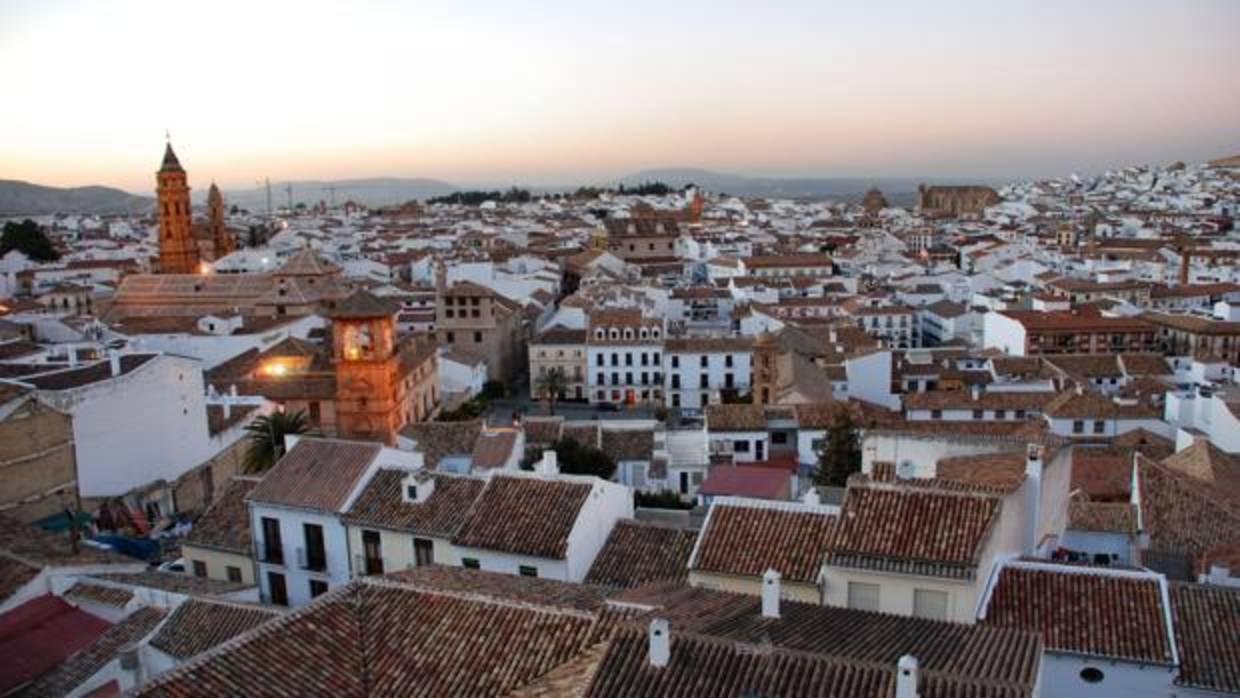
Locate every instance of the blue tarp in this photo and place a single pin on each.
(141, 548)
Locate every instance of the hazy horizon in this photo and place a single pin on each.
(493, 94)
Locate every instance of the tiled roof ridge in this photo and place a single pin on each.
(477, 597)
(972, 492)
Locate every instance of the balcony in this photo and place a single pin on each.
(367, 565)
(312, 560)
(270, 555)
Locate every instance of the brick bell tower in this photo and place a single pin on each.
(221, 239)
(178, 251)
(369, 398)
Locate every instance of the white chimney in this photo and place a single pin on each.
(660, 642)
(770, 594)
(227, 403)
(548, 464)
(131, 662)
(114, 361)
(906, 677)
(811, 497)
(976, 391)
(1219, 574)
(1033, 497)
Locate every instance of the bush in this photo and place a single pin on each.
(663, 499)
(494, 390)
(473, 409)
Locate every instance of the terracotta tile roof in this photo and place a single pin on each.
(542, 430)
(747, 538)
(560, 336)
(436, 440)
(1102, 473)
(437, 644)
(735, 417)
(226, 524)
(1086, 405)
(504, 587)
(381, 504)
(15, 574)
(628, 444)
(34, 546)
(638, 553)
(1102, 517)
(1183, 515)
(586, 434)
(913, 530)
(171, 581)
(1084, 611)
(1000, 655)
(1146, 443)
(1206, 463)
(987, 400)
(1145, 364)
(1000, 471)
(757, 481)
(84, 664)
(315, 474)
(493, 448)
(198, 625)
(97, 593)
(524, 516)
(40, 634)
(79, 377)
(1207, 634)
(1086, 365)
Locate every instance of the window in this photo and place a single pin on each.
(930, 604)
(779, 437)
(1092, 675)
(727, 361)
(703, 362)
(315, 553)
(451, 338)
(1000, 414)
(702, 381)
(740, 446)
(1078, 427)
(277, 589)
(470, 563)
(1020, 414)
(628, 359)
(1100, 427)
(318, 587)
(372, 552)
(684, 482)
(978, 414)
(675, 362)
(936, 414)
(527, 571)
(234, 573)
(200, 568)
(423, 551)
(477, 338)
(273, 548)
(863, 597)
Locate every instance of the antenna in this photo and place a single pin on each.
(268, 181)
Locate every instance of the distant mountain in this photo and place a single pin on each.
(19, 198)
(900, 191)
(380, 191)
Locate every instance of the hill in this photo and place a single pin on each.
(898, 190)
(380, 191)
(19, 198)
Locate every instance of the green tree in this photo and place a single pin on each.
(576, 458)
(551, 385)
(29, 239)
(266, 436)
(840, 455)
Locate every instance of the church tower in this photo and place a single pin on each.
(764, 376)
(370, 399)
(221, 240)
(178, 251)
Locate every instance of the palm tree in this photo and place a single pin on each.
(266, 436)
(551, 384)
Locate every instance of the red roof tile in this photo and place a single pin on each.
(38, 635)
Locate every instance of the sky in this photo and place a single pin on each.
(556, 93)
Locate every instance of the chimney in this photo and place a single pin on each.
(976, 391)
(131, 662)
(770, 594)
(660, 642)
(227, 409)
(1219, 574)
(114, 361)
(906, 677)
(548, 464)
(1033, 497)
(811, 497)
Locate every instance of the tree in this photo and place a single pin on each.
(576, 458)
(551, 385)
(29, 239)
(266, 436)
(841, 455)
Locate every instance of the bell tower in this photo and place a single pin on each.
(765, 372)
(369, 395)
(178, 252)
(221, 240)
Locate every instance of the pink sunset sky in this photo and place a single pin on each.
(570, 92)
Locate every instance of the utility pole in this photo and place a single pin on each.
(268, 181)
(289, 188)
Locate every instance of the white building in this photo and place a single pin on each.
(698, 371)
